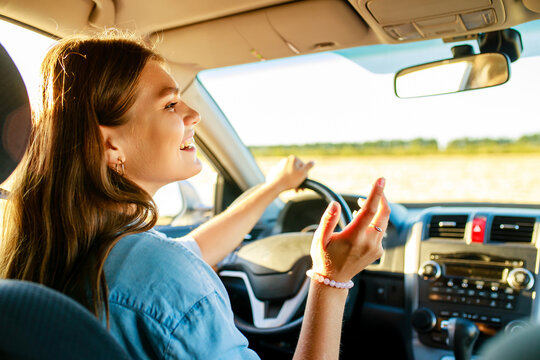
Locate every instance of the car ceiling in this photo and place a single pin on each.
(195, 35)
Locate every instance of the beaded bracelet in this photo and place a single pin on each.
(326, 281)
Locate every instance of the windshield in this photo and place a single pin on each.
(339, 108)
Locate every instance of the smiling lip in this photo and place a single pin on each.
(188, 144)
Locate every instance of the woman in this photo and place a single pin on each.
(112, 130)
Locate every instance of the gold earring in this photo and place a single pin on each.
(119, 167)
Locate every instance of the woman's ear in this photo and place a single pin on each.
(113, 150)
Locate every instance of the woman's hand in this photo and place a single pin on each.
(289, 173)
(340, 256)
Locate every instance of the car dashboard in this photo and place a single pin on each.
(473, 261)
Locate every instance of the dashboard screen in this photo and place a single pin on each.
(474, 271)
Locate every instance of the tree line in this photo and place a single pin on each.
(419, 146)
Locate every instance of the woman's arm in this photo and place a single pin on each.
(339, 256)
(223, 233)
(320, 336)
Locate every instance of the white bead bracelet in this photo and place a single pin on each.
(326, 281)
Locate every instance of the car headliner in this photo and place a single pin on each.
(196, 35)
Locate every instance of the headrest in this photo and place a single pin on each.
(15, 116)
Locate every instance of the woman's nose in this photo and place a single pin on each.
(191, 116)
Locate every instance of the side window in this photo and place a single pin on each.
(188, 202)
(27, 50)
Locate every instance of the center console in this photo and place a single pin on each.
(493, 291)
(491, 284)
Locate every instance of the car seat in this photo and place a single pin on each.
(37, 322)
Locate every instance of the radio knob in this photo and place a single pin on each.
(515, 325)
(423, 320)
(520, 279)
(430, 270)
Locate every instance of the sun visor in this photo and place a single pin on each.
(287, 30)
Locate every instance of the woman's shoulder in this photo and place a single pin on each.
(165, 301)
(158, 276)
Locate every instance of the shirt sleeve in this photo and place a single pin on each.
(207, 331)
(189, 242)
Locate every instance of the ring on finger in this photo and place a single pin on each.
(376, 227)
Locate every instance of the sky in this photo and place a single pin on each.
(335, 105)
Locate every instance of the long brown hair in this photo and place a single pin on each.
(68, 208)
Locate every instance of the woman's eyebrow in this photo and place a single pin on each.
(168, 90)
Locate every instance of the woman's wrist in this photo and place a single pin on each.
(328, 281)
(333, 294)
(276, 187)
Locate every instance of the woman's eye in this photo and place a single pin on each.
(170, 106)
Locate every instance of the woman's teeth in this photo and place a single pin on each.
(187, 146)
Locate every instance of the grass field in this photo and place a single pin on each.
(508, 178)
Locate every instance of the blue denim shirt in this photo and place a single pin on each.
(165, 302)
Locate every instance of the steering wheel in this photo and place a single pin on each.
(273, 271)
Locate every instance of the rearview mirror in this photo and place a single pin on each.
(452, 75)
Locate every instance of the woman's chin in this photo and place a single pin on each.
(192, 169)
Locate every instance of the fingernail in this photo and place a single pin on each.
(381, 182)
(331, 209)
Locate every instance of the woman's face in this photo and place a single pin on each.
(157, 141)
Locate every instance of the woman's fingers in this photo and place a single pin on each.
(309, 165)
(327, 225)
(298, 164)
(380, 220)
(369, 209)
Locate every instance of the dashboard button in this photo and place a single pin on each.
(479, 285)
(508, 306)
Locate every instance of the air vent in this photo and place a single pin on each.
(512, 229)
(447, 226)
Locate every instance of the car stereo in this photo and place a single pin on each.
(492, 291)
